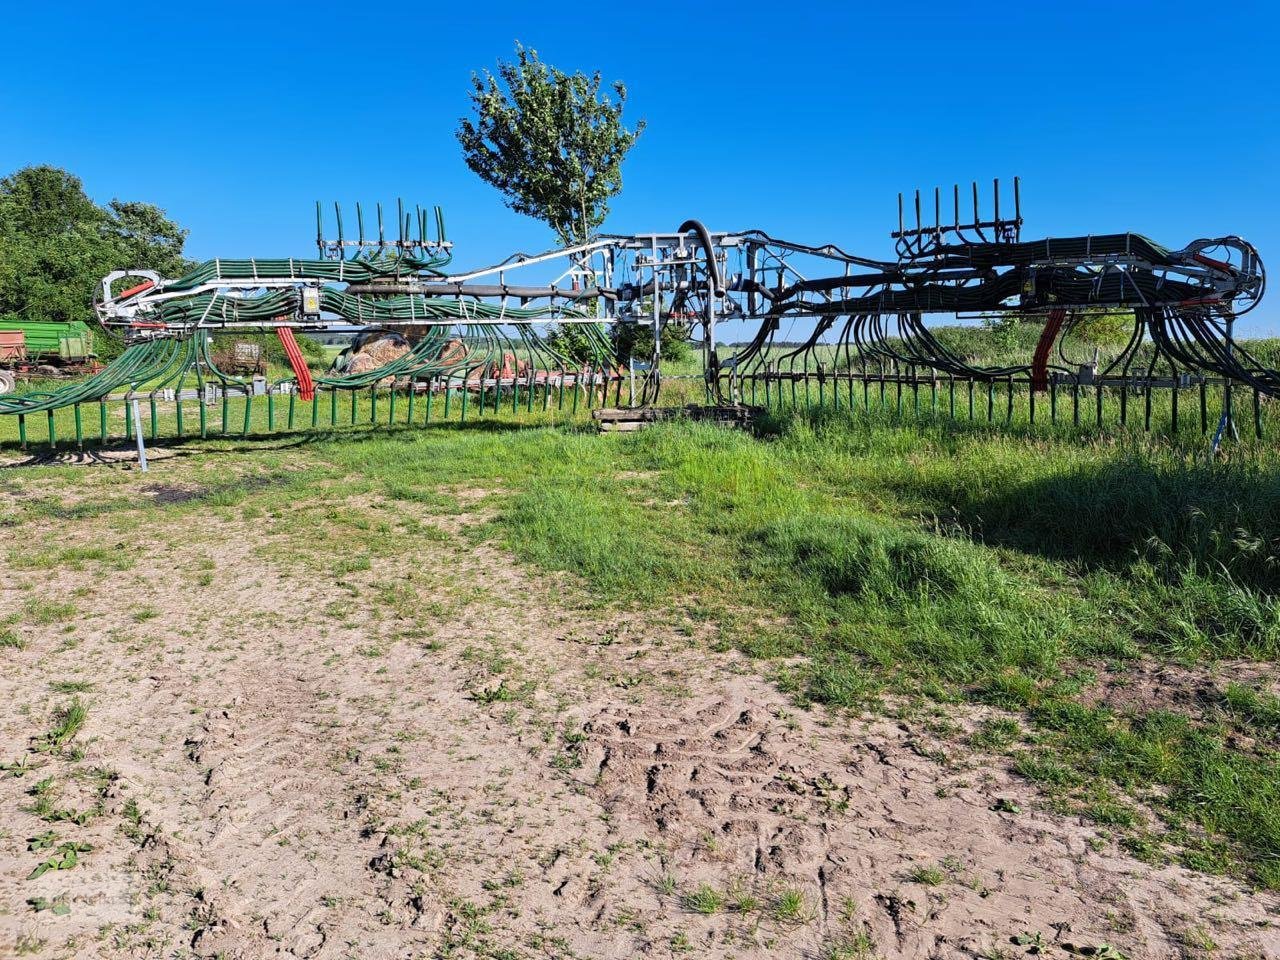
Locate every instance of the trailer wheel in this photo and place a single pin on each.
(7, 381)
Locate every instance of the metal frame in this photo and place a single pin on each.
(868, 311)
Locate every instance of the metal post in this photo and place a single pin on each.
(1227, 423)
(137, 432)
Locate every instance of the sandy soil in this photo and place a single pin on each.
(444, 755)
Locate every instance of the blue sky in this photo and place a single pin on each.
(801, 119)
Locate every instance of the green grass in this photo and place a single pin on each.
(928, 876)
(1254, 710)
(45, 612)
(67, 722)
(705, 899)
(791, 906)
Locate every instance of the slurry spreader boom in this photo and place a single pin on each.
(497, 336)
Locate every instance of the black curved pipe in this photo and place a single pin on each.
(713, 268)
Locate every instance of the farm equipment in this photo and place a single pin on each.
(240, 357)
(42, 348)
(856, 325)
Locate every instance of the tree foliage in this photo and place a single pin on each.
(570, 340)
(636, 340)
(56, 244)
(551, 142)
(1093, 326)
(1104, 327)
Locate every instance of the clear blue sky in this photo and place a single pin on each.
(802, 119)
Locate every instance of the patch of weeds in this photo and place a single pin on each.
(27, 944)
(665, 884)
(45, 805)
(352, 565)
(705, 899)
(840, 681)
(790, 906)
(72, 558)
(66, 856)
(43, 841)
(11, 640)
(1198, 940)
(46, 612)
(67, 722)
(740, 899)
(629, 919)
(512, 878)
(854, 940)
(929, 876)
(996, 733)
(857, 945)
(1034, 941)
(1256, 710)
(1203, 853)
(20, 767)
(570, 758)
(1146, 847)
(1103, 951)
(1043, 768)
(70, 686)
(1103, 807)
(132, 819)
(499, 694)
(58, 906)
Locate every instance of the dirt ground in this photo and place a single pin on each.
(440, 753)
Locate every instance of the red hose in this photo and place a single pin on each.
(138, 289)
(306, 386)
(1040, 363)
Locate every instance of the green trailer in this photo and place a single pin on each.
(47, 342)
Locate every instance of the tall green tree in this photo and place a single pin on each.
(56, 244)
(551, 142)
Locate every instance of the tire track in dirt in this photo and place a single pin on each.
(741, 791)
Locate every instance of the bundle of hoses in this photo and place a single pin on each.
(868, 337)
(914, 344)
(358, 270)
(1058, 249)
(138, 364)
(1195, 338)
(1036, 285)
(211, 309)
